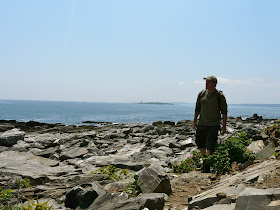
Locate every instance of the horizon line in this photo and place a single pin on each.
(41, 100)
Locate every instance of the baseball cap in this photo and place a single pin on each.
(211, 78)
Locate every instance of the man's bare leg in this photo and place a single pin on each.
(202, 150)
(205, 168)
(210, 152)
(206, 151)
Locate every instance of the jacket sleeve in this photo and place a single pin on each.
(198, 104)
(223, 103)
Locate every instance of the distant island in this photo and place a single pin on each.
(156, 103)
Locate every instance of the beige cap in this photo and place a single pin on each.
(211, 78)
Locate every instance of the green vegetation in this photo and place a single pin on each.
(36, 206)
(113, 173)
(233, 150)
(24, 183)
(276, 155)
(5, 195)
(134, 189)
(190, 164)
(30, 206)
(276, 124)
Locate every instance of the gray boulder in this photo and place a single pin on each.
(256, 146)
(169, 123)
(148, 128)
(221, 207)
(164, 142)
(256, 199)
(47, 153)
(107, 201)
(161, 131)
(6, 127)
(274, 205)
(119, 185)
(83, 196)
(182, 123)
(73, 153)
(34, 167)
(11, 137)
(227, 185)
(187, 143)
(152, 201)
(161, 153)
(266, 152)
(129, 164)
(126, 131)
(118, 201)
(154, 180)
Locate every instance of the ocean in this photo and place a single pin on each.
(74, 113)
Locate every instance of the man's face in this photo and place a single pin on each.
(210, 84)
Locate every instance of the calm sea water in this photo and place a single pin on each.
(77, 112)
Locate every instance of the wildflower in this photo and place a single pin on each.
(188, 163)
(182, 170)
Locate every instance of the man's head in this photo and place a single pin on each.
(211, 83)
(211, 78)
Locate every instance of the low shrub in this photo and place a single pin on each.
(5, 195)
(36, 206)
(24, 183)
(113, 173)
(133, 189)
(233, 150)
(193, 162)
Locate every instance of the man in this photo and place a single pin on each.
(210, 104)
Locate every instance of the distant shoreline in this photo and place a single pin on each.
(112, 102)
(156, 103)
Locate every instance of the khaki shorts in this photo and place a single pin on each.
(206, 136)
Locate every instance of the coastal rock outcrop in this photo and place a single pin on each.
(11, 137)
(69, 165)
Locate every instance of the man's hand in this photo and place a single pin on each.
(223, 130)
(195, 120)
(194, 125)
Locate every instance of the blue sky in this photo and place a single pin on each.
(128, 51)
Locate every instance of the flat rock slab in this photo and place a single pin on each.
(73, 153)
(266, 152)
(32, 166)
(222, 207)
(228, 184)
(257, 199)
(274, 205)
(9, 138)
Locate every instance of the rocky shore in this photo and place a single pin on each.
(64, 162)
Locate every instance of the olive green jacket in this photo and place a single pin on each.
(210, 107)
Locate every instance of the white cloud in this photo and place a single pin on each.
(238, 82)
(229, 81)
(226, 81)
(181, 84)
(271, 85)
(199, 82)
